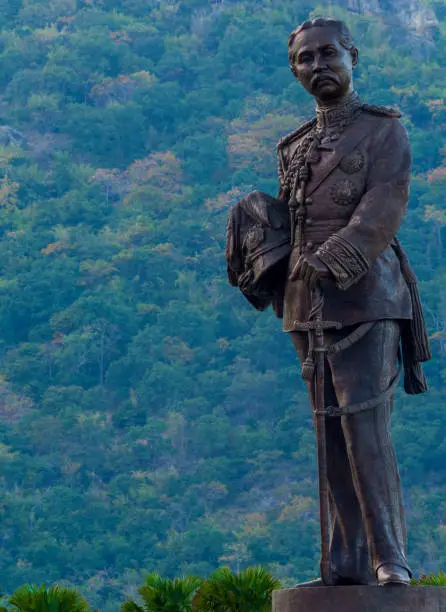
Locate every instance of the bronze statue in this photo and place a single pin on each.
(326, 256)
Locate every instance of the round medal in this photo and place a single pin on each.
(344, 193)
(354, 162)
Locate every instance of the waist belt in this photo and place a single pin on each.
(320, 231)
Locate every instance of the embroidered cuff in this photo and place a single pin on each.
(345, 261)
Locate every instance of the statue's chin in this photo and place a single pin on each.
(328, 91)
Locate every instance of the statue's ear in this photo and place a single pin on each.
(355, 56)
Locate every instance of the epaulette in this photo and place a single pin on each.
(381, 111)
(301, 131)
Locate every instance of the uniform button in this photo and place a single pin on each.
(309, 221)
(308, 201)
(310, 245)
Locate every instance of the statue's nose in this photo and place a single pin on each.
(319, 64)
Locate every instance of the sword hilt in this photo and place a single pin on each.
(315, 327)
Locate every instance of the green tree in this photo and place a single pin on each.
(164, 595)
(247, 591)
(32, 598)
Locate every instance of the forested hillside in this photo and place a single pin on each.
(150, 419)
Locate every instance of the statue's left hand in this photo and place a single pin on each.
(310, 269)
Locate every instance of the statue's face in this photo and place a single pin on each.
(322, 65)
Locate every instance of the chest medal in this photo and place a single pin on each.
(344, 193)
(354, 162)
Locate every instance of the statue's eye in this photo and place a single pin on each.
(305, 58)
(330, 52)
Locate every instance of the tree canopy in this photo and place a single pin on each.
(151, 419)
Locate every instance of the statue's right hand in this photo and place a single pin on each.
(309, 268)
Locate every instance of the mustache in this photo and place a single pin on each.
(324, 76)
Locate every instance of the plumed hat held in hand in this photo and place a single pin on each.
(258, 248)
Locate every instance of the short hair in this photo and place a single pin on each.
(345, 37)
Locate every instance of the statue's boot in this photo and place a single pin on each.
(389, 574)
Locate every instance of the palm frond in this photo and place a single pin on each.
(33, 598)
(249, 590)
(130, 606)
(165, 595)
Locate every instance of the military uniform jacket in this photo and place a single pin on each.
(356, 199)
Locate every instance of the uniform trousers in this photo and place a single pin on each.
(366, 507)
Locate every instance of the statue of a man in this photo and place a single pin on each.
(345, 177)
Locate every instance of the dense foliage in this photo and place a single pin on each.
(151, 420)
(160, 594)
(249, 590)
(431, 580)
(33, 598)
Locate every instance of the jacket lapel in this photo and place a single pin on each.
(349, 140)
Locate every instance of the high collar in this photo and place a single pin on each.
(340, 115)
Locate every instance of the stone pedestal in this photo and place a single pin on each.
(361, 599)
